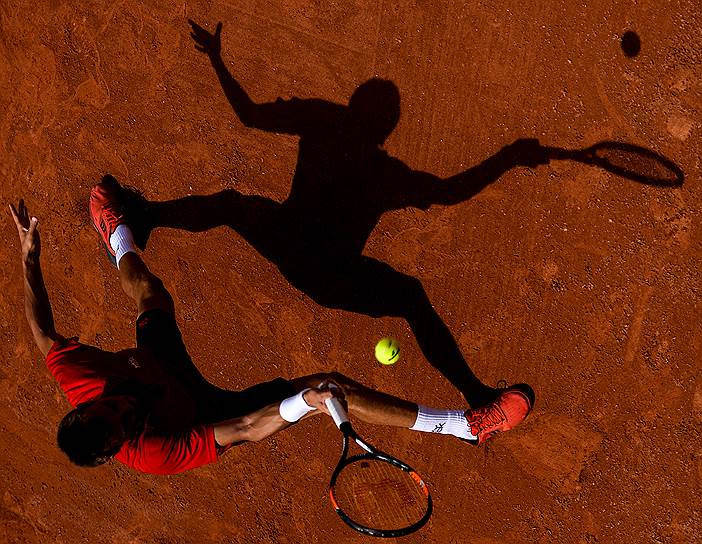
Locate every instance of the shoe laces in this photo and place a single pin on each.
(486, 418)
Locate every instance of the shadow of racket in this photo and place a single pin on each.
(626, 160)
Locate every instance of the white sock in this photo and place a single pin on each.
(122, 242)
(453, 422)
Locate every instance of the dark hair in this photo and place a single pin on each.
(86, 439)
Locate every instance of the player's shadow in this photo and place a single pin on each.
(343, 183)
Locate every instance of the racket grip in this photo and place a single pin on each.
(337, 411)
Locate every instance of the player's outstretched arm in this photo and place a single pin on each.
(36, 300)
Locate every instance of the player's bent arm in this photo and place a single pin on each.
(37, 306)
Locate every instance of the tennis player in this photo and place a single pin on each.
(151, 409)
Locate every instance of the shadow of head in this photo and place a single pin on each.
(375, 107)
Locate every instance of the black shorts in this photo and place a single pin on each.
(157, 332)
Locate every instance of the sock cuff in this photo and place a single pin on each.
(122, 242)
(431, 420)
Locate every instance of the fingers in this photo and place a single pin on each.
(196, 27)
(32, 227)
(13, 212)
(332, 387)
(20, 217)
(218, 31)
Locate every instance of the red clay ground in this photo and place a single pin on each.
(580, 283)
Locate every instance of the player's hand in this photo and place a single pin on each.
(27, 230)
(316, 397)
(206, 42)
(527, 152)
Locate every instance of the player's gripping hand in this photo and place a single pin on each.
(316, 397)
(206, 42)
(28, 234)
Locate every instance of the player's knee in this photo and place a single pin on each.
(152, 286)
(153, 294)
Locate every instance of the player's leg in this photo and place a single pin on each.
(157, 330)
(110, 215)
(509, 409)
(142, 286)
(380, 408)
(371, 406)
(475, 425)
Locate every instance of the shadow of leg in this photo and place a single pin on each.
(371, 287)
(441, 350)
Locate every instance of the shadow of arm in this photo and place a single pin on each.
(293, 116)
(244, 108)
(427, 189)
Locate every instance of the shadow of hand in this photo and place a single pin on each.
(528, 152)
(206, 42)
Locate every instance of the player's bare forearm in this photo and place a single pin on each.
(250, 428)
(37, 306)
(267, 421)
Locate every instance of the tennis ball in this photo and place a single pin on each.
(387, 351)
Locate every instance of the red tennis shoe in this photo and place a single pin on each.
(107, 211)
(510, 408)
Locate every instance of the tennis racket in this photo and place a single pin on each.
(626, 160)
(372, 491)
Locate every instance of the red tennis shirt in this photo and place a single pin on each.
(171, 442)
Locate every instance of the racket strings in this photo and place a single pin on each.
(377, 494)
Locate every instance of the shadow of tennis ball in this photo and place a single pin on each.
(631, 44)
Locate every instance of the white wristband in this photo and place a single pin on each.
(293, 408)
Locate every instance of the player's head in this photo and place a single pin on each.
(375, 105)
(95, 431)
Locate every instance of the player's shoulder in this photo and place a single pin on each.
(72, 352)
(63, 345)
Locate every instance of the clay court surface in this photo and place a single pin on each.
(564, 276)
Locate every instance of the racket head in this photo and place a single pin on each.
(635, 163)
(626, 160)
(378, 495)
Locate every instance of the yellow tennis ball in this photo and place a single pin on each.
(387, 351)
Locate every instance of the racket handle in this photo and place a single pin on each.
(337, 411)
(559, 153)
